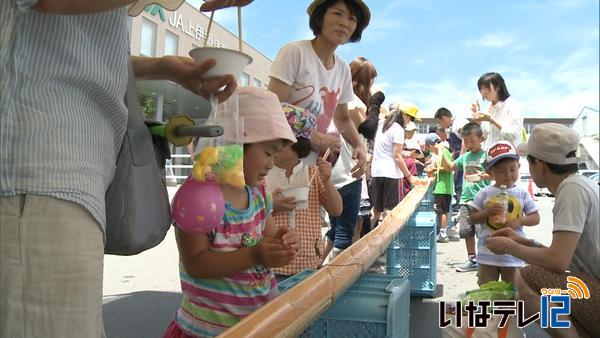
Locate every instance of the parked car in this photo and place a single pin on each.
(595, 177)
(588, 173)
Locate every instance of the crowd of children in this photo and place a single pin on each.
(267, 235)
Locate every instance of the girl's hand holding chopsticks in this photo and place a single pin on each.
(324, 158)
(324, 169)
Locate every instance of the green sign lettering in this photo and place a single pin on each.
(154, 9)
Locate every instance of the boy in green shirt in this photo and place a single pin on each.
(444, 183)
(472, 163)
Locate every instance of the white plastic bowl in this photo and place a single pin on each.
(300, 194)
(228, 61)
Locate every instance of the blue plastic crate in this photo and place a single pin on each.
(374, 306)
(412, 254)
(428, 200)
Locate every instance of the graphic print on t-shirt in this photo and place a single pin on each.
(330, 101)
(323, 108)
(309, 90)
(473, 171)
(515, 209)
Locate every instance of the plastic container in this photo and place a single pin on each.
(428, 200)
(374, 306)
(412, 254)
(300, 194)
(502, 199)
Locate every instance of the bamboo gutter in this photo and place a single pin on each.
(293, 311)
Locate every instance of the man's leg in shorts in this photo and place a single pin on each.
(585, 313)
(51, 264)
(487, 273)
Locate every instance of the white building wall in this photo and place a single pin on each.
(190, 25)
(587, 122)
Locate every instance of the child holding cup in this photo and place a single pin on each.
(294, 206)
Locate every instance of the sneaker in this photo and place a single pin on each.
(467, 267)
(442, 239)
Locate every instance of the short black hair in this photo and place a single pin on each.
(497, 80)
(558, 169)
(432, 129)
(470, 128)
(316, 18)
(442, 112)
(302, 147)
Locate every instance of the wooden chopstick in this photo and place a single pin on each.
(327, 153)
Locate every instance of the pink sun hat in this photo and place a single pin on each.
(264, 119)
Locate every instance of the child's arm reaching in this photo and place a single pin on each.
(448, 165)
(200, 262)
(445, 156)
(333, 200)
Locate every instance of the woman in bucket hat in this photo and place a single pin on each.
(309, 74)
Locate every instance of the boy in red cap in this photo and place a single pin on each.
(519, 210)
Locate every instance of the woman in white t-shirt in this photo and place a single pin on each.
(309, 74)
(388, 167)
(504, 120)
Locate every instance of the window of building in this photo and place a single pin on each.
(148, 39)
(423, 128)
(171, 43)
(244, 80)
(256, 82)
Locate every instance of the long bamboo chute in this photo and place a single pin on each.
(293, 311)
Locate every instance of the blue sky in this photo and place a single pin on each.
(432, 52)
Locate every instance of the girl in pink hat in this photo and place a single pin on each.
(226, 273)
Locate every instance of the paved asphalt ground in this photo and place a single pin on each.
(142, 292)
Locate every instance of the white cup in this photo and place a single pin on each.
(300, 194)
(228, 61)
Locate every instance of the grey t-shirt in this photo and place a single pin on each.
(576, 210)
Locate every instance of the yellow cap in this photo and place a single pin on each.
(408, 108)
